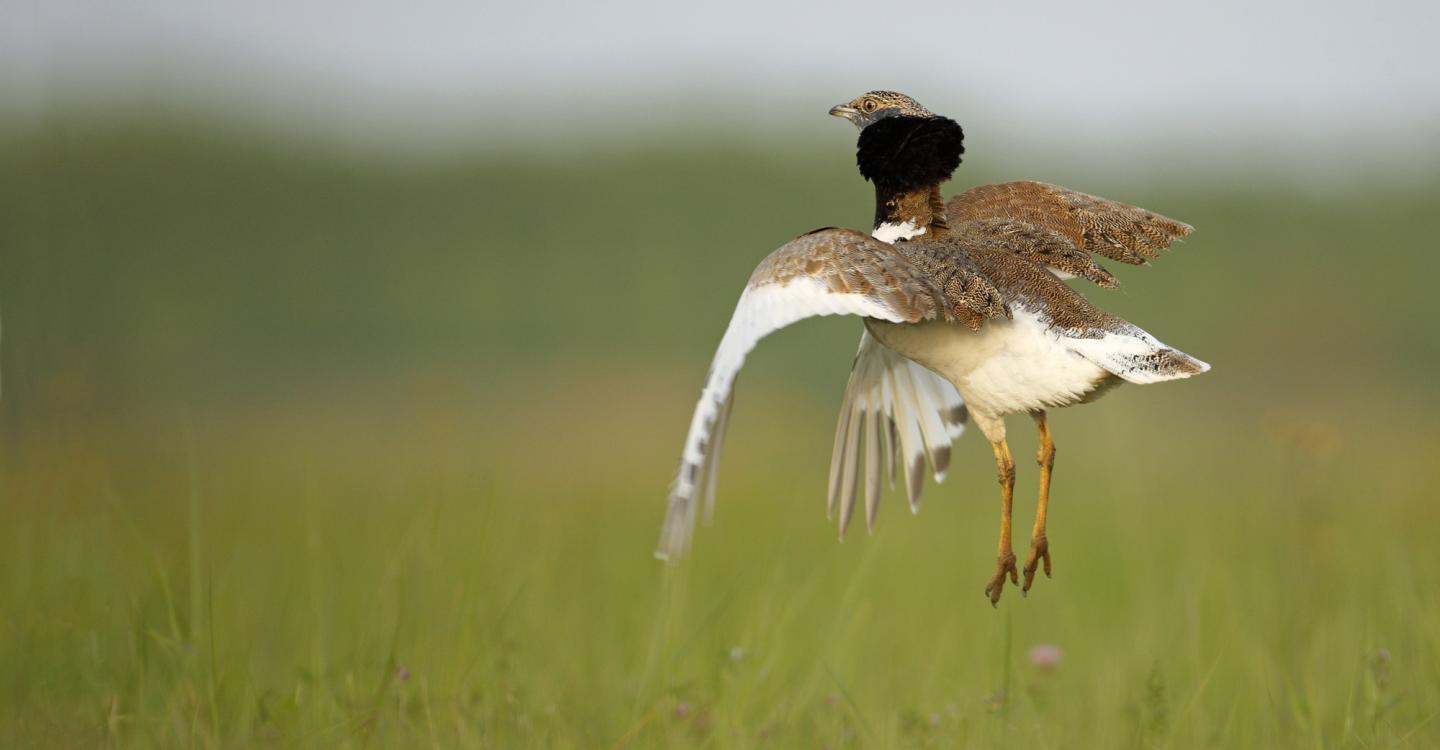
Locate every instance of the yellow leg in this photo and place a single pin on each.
(1039, 545)
(1005, 468)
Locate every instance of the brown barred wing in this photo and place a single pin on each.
(1037, 244)
(1118, 231)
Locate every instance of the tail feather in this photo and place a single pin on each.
(1137, 357)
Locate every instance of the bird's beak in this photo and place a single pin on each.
(846, 111)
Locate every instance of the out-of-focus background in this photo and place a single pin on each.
(347, 354)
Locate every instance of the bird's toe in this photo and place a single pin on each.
(1004, 566)
(1039, 553)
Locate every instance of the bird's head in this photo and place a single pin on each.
(874, 106)
(902, 145)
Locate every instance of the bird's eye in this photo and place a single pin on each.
(869, 105)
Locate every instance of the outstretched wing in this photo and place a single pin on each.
(1096, 225)
(825, 272)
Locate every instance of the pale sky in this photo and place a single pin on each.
(1309, 75)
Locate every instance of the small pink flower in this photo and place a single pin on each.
(1046, 656)
(682, 710)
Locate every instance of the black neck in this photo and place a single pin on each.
(907, 159)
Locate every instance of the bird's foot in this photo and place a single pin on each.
(1005, 564)
(1039, 550)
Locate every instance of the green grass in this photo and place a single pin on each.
(307, 452)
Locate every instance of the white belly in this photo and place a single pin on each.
(1008, 366)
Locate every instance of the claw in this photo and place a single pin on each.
(1039, 551)
(1004, 564)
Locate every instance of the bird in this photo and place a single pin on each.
(966, 315)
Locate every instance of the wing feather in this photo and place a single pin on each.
(873, 478)
(912, 435)
(937, 438)
(842, 427)
(825, 272)
(1091, 224)
(917, 414)
(850, 479)
(712, 459)
(907, 443)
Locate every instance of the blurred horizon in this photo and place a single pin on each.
(1305, 91)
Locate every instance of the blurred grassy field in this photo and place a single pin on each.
(316, 450)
